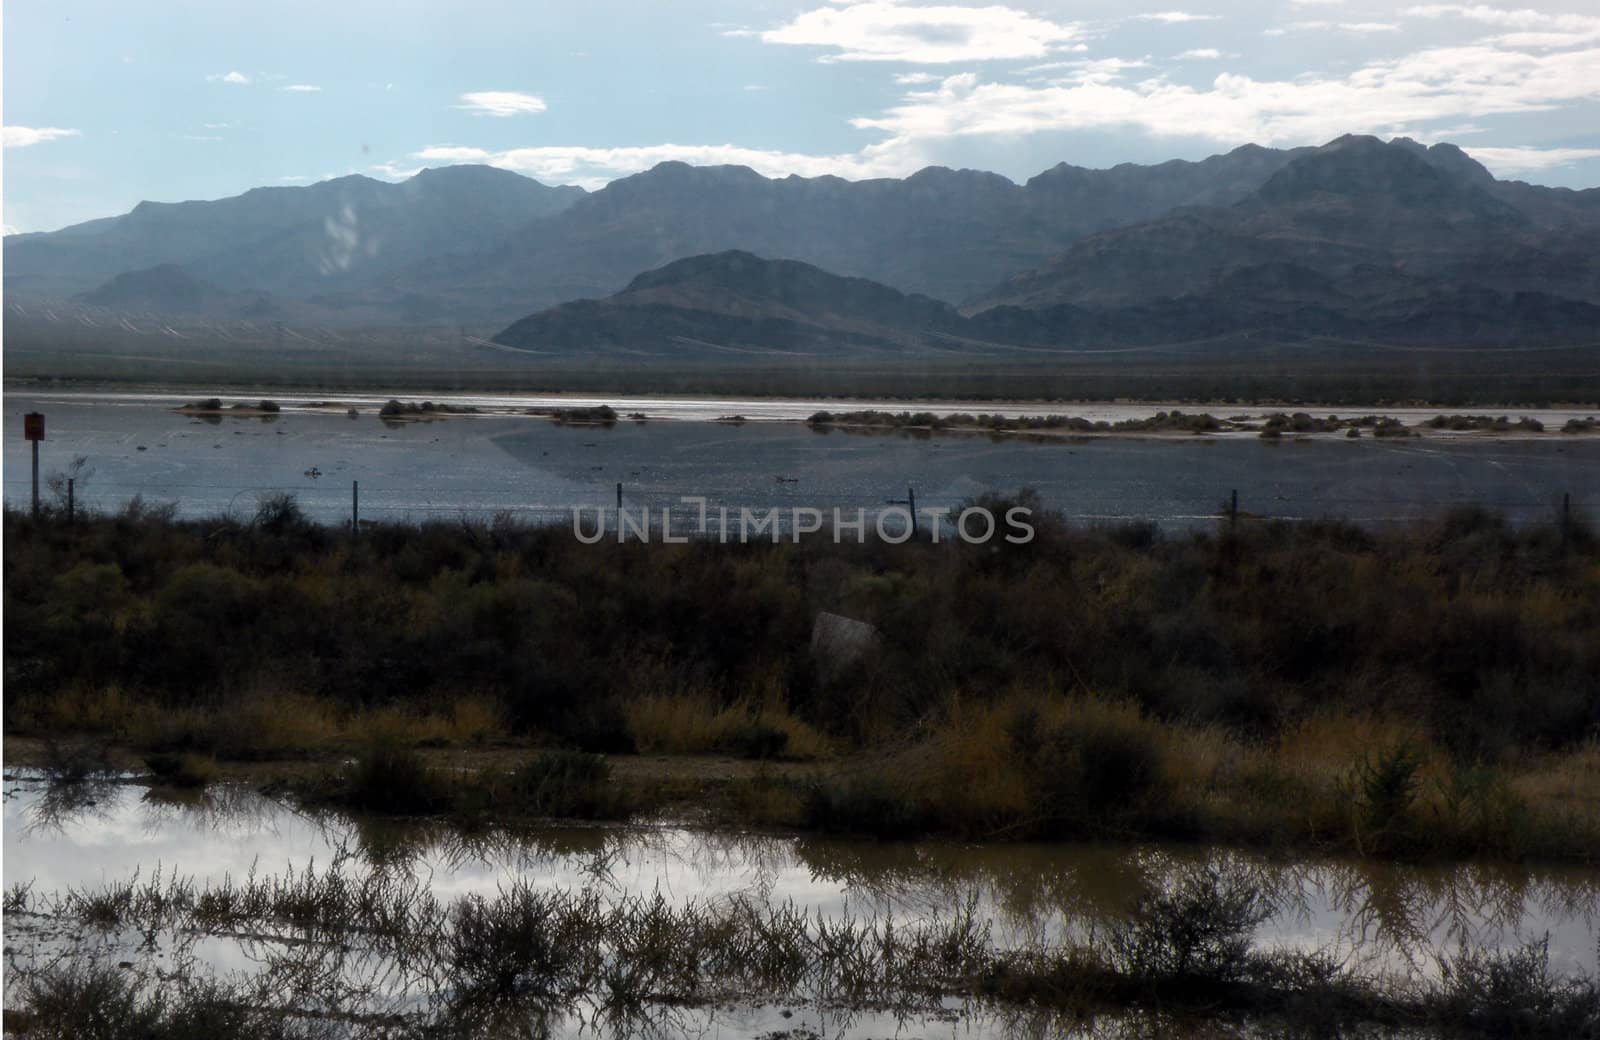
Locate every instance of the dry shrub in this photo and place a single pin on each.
(476, 718)
(101, 709)
(692, 724)
(249, 727)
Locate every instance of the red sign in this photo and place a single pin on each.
(33, 426)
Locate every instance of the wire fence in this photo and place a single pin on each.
(366, 502)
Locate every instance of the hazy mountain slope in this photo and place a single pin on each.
(943, 233)
(168, 289)
(1354, 203)
(735, 306)
(733, 303)
(482, 245)
(323, 238)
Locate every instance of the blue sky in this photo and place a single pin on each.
(108, 103)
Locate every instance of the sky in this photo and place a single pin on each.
(107, 103)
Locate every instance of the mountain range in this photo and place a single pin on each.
(1358, 240)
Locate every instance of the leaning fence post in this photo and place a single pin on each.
(71, 511)
(355, 508)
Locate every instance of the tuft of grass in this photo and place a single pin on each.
(393, 780)
(179, 769)
(1512, 993)
(572, 784)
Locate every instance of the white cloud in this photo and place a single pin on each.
(1536, 29)
(1097, 70)
(501, 103)
(594, 167)
(26, 136)
(1511, 160)
(1369, 27)
(1200, 54)
(301, 88)
(1446, 83)
(236, 78)
(882, 30)
(913, 79)
(1175, 17)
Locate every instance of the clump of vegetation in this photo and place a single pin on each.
(389, 778)
(1512, 993)
(571, 784)
(599, 415)
(179, 769)
(93, 1000)
(1163, 421)
(393, 780)
(1587, 424)
(1490, 423)
(210, 404)
(395, 409)
(1279, 423)
(690, 724)
(527, 950)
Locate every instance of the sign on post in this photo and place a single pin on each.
(33, 430)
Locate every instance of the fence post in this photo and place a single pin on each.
(355, 508)
(71, 504)
(35, 479)
(619, 501)
(1233, 509)
(911, 504)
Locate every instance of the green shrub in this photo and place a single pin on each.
(393, 780)
(866, 805)
(572, 784)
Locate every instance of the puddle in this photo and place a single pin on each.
(1394, 920)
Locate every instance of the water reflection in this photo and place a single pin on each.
(1394, 917)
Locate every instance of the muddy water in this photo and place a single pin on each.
(1390, 918)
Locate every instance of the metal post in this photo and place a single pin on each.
(71, 511)
(355, 508)
(619, 501)
(911, 503)
(35, 480)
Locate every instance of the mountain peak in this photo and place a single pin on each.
(1401, 173)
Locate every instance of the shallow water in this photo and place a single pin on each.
(480, 465)
(1394, 917)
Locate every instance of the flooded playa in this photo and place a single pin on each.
(532, 469)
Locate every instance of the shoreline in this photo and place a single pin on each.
(379, 392)
(1054, 419)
